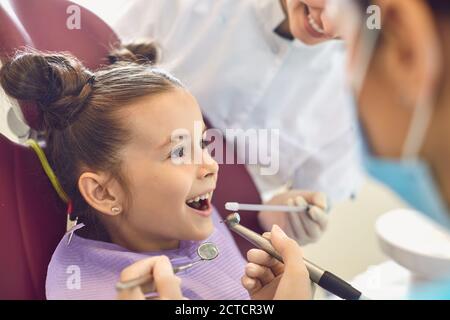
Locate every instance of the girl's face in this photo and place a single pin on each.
(308, 21)
(160, 211)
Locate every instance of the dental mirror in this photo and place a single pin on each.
(206, 251)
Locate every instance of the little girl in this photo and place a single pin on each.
(109, 138)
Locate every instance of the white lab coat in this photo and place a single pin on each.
(246, 76)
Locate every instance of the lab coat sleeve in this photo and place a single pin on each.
(335, 169)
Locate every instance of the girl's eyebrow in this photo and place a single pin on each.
(180, 137)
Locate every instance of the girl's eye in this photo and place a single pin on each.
(204, 143)
(177, 153)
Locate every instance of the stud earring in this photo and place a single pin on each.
(116, 210)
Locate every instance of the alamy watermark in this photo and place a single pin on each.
(73, 281)
(259, 147)
(73, 21)
(373, 21)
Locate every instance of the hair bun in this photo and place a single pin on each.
(141, 52)
(55, 82)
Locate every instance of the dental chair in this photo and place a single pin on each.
(32, 217)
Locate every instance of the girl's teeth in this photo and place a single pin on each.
(314, 24)
(202, 197)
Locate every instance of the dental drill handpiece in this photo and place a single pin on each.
(324, 279)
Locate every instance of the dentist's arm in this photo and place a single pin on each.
(166, 282)
(266, 278)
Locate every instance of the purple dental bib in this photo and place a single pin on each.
(88, 269)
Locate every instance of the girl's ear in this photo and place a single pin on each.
(102, 193)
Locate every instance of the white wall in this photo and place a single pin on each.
(350, 246)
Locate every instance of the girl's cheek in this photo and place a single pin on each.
(167, 184)
(177, 181)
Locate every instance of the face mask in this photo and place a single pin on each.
(410, 177)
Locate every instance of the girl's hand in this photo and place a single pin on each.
(304, 227)
(166, 282)
(266, 278)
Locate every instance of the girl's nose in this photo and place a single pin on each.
(208, 167)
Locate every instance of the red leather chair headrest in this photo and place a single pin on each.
(32, 217)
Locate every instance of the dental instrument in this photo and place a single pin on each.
(324, 279)
(206, 251)
(235, 206)
(292, 215)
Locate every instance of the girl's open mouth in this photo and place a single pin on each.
(201, 203)
(311, 25)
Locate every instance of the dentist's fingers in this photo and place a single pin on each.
(296, 224)
(263, 274)
(306, 231)
(319, 216)
(168, 285)
(138, 269)
(300, 201)
(311, 228)
(295, 271)
(252, 285)
(262, 258)
(288, 248)
(318, 199)
(266, 235)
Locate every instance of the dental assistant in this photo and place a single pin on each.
(401, 78)
(238, 58)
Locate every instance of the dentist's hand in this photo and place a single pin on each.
(304, 227)
(266, 278)
(166, 282)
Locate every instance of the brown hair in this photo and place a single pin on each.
(80, 108)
